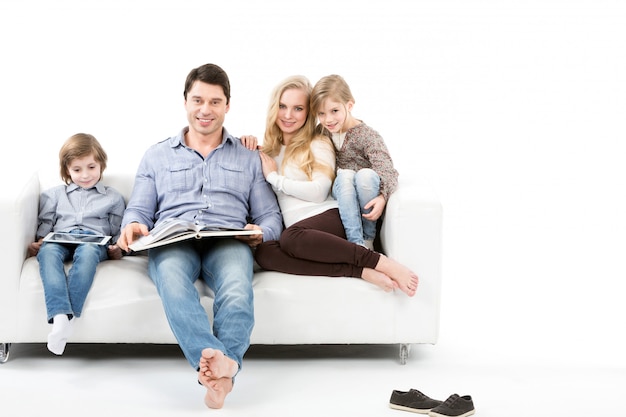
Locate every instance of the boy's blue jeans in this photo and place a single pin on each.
(225, 265)
(66, 294)
(353, 190)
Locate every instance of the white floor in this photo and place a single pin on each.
(106, 380)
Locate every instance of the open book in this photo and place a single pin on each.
(174, 230)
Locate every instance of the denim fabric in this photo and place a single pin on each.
(66, 294)
(353, 190)
(226, 267)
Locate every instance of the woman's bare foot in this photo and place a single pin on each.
(216, 390)
(379, 279)
(215, 365)
(406, 280)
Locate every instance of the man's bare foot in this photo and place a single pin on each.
(215, 365)
(407, 280)
(379, 279)
(216, 390)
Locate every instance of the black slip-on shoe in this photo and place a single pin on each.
(413, 401)
(454, 406)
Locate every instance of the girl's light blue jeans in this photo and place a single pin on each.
(225, 265)
(353, 190)
(66, 294)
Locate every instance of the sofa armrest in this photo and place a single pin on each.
(19, 205)
(411, 233)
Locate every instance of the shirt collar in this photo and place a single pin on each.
(99, 187)
(178, 140)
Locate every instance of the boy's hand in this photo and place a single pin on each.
(33, 248)
(114, 252)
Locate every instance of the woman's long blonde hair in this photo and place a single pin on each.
(299, 148)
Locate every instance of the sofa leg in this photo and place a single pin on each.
(404, 352)
(4, 352)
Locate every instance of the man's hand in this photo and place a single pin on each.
(252, 240)
(130, 233)
(377, 204)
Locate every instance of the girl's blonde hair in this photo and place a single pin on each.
(299, 148)
(332, 87)
(80, 145)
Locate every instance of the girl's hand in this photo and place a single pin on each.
(249, 142)
(377, 204)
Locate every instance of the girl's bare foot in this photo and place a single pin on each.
(406, 280)
(379, 279)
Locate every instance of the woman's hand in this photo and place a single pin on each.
(249, 142)
(268, 164)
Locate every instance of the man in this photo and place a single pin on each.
(205, 175)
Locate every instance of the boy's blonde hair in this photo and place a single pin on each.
(80, 145)
(330, 87)
(299, 149)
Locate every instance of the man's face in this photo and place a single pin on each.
(206, 107)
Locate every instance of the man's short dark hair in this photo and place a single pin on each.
(210, 74)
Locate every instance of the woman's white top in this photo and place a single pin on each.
(300, 198)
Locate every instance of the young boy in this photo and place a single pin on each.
(82, 206)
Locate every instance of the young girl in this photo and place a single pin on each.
(365, 173)
(82, 206)
(300, 166)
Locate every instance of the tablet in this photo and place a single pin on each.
(76, 238)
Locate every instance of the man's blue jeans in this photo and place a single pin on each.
(67, 294)
(353, 190)
(225, 265)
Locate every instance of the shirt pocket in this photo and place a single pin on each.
(234, 177)
(179, 177)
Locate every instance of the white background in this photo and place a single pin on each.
(512, 110)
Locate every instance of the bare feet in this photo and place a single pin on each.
(379, 279)
(215, 365)
(216, 390)
(216, 375)
(406, 280)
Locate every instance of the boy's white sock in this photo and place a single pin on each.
(61, 330)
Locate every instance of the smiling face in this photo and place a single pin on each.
(293, 109)
(335, 116)
(206, 107)
(84, 172)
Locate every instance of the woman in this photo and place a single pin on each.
(300, 166)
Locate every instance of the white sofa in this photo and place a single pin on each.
(124, 307)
